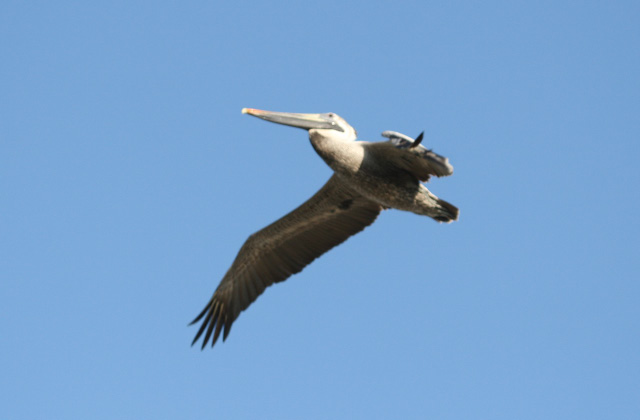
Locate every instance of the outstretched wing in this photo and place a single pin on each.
(284, 248)
(401, 151)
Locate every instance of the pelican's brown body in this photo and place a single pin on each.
(368, 177)
(367, 168)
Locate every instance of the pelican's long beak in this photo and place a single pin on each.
(306, 121)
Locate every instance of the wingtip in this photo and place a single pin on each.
(417, 141)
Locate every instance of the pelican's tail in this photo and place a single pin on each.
(445, 212)
(437, 209)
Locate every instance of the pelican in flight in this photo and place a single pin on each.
(368, 177)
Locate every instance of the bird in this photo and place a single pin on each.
(367, 178)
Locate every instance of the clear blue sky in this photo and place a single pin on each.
(129, 179)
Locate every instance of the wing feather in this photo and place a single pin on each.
(414, 158)
(284, 248)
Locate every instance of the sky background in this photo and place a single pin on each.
(129, 179)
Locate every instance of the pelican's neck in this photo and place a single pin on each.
(338, 149)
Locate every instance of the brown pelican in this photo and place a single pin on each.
(368, 177)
